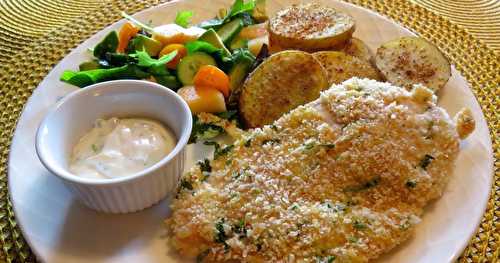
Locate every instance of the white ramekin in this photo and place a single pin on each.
(75, 114)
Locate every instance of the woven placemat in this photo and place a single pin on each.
(27, 66)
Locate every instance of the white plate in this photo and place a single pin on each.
(59, 229)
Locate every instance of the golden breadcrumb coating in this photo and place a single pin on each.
(344, 178)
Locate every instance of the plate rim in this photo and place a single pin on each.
(456, 253)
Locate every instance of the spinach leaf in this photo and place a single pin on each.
(212, 23)
(239, 6)
(183, 18)
(202, 46)
(169, 81)
(239, 55)
(118, 59)
(228, 115)
(144, 60)
(89, 77)
(108, 44)
(246, 18)
(238, 9)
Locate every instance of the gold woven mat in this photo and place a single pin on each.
(34, 35)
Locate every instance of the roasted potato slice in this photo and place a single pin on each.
(340, 67)
(357, 48)
(282, 82)
(310, 27)
(410, 60)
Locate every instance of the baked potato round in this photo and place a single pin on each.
(282, 82)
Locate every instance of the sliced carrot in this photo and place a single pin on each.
(213, 77)
(127, 32)
(203, 99)
(181, 52)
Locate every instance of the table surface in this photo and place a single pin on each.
(26, 21)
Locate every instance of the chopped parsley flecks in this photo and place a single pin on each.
(353, 239)
(223, 151)
(95, 149)
(359, 225)
(205, 168)
(274, 127)
(236, 175)
(259, 246)
(405, 225)
(218, 150)
(328, 145)
(411, 184)
(425, 161)
(369, 184)
(248, 143)
(205, 165)
(220, 234)
(325, 259)
(240, 228)
(309, 145)
(271, 141)
(185, 184)
(201, 256)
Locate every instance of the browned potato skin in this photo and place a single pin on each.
(412, 60)
(341, 67)
(302, 39)
(284, 81)
(357, 48)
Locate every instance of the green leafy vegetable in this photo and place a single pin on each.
(246, 18)
(108, 44)
(183, 18)
(198, 45)
(238, 9)
(118, 59)
(212, 23)
(228, 115)
(239, 6)
(89, 77)
(144, 60)
(164, 77)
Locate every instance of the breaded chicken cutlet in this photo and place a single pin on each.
(344, 178)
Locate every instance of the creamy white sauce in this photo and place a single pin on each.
(120, 147)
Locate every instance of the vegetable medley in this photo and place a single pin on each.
(206, 63)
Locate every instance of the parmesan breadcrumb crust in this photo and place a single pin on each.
(342, 179)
